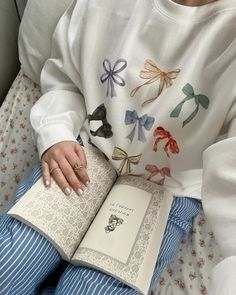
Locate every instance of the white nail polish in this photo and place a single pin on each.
(67, 191)
(47, 183)
(80, 192)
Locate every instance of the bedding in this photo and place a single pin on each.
(18, 153)
(188, 274)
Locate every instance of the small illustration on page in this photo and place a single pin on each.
(113, 222)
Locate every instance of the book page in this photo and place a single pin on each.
(62, 219)
(118, 222)
(125, 237)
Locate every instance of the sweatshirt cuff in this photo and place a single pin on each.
(52, 134)
(223, 277)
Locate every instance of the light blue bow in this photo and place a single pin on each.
(145, 121)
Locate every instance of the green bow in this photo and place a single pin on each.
(199, 99)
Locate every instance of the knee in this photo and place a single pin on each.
(14, 238)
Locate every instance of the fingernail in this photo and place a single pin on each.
(84, 188)
(67, 191)
(47, 183)
(80, 192)
(87, 183)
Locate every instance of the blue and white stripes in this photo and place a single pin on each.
(27, 259)
(90, 282)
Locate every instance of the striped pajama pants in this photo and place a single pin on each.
(30, 265)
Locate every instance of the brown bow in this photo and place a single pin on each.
(121, 155)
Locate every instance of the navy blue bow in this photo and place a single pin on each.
(145, 121)
(111, 75)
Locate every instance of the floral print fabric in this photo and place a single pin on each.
(189, 273)
(198, 253)
(18, 153)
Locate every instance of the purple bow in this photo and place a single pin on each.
(111, 75)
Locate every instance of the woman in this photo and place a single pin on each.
(142, 78)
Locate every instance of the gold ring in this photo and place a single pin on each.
(52, 169)
(77, 167)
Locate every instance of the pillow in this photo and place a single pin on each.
(37, 26)
(20, 6)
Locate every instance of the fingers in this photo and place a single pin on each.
(79, 165)
(58, 162)
(66, 178)
(46, 174)
(81, 154)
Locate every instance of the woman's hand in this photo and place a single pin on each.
(66, 163)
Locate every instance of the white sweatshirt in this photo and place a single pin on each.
(152, 84)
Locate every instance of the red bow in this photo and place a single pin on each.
(171, 145)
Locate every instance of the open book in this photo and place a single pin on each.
(116, 226)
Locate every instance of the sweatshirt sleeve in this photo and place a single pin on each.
(219, 187)
(60, 112)
(219, 204)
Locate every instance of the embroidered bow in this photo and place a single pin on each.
(152, 73)
(199, 99)
(143, 122)
(154, 170)
(121, 155)
(105, 130)
(171, 145)
(111, 75)
(100, 113)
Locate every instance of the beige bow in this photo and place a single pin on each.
(151, 74)
(121, 155)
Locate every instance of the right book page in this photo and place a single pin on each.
(125, 237)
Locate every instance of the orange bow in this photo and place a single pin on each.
(152, 73)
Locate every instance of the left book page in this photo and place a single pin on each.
(62, 219)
